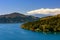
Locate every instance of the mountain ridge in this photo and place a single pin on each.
(41, 15)
(16, 18)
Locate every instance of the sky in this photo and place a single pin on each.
(26, 6)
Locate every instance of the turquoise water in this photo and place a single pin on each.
(14, 32)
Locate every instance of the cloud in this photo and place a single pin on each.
(44, 11)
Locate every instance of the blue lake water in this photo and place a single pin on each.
(14, 32)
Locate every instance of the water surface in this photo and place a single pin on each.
(14, 32)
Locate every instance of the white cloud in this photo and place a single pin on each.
(45, 11)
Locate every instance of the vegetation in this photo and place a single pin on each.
(16, 18)
(45, 24)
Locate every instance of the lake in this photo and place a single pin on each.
(14, 32)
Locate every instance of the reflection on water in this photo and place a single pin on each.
(51, 33)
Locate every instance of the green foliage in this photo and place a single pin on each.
(46, 24)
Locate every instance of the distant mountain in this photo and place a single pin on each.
(45, 24)
(16, 18)
(41, 15)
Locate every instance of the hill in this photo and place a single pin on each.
(16, 18)
(41, 15)
(46, 24)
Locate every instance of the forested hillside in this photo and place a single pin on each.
(46, 24)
